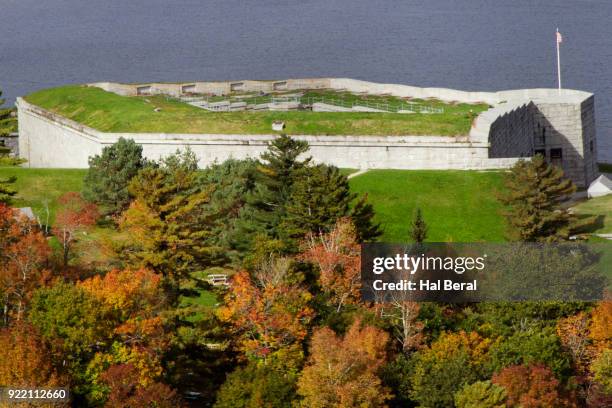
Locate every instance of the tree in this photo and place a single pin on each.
(8, 121)
(257, 385)
(481, 394)
(25, 360)
(443, 368)
(337, 255)
(24, 252)
(169, 223)
(233, 180)
(362, 215)
(7, 192)
(342, 371)
(602, 371)
(403, 314)
(109, 174)
(318, 198)
(600, 328)
(532, 346)
(573, 333)
(535, 191)
(71, 319)
(74, 217)
(270, 313)
(533, 386)
(418, 229)
(127, 392)
(266, 205)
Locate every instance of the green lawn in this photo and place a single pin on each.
(458, 206)
(109, 112)
(600, 207)
(39, 188)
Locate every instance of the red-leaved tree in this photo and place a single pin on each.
(127, 391)
(24, 252)
(74, 217)
(533, 386)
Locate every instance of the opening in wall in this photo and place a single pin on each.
(541, 152)
(556, 156)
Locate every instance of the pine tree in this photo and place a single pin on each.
(266, 205)
(319, 197)
(418, 230)
(6, 190)
(109, 174)
(169, 222)
(8, 121)
(535, 191)
(362, 216)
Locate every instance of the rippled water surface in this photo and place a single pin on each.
(466, 44)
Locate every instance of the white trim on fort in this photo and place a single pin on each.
(520, 123)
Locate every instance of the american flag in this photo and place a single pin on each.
(559, 38)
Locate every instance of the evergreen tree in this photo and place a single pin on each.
(266, 205)
(362, 216)
(535, 191)
(232, 181)
(8, 121)
(169, 222)
(418, 230)
(319, 197)
(109, 174)
(6, 190)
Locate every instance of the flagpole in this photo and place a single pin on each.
(558, 60)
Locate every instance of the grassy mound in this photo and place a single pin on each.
(109, 112)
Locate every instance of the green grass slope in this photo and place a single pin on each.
(39, 188)
(459, 206)
(109, 112)
(600, 207)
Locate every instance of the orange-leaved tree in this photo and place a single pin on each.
(342, 370)
(600, 329)
(337, 255)
(533, 386)
(269, 312)
(25, 361)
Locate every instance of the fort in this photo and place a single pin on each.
(499, 127)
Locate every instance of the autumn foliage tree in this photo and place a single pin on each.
(74, 217)
(441, 369)
(25, 360)
(270, 312)
(127, 391)
(533, 386)
(342, 371)
(337, 255)
(600, 328)
(573, 333)
(23, 255)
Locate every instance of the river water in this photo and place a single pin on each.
(466, 44)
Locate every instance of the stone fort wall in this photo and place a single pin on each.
(511, 129)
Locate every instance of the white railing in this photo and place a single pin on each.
(224, 105)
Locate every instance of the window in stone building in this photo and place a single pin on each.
(591, 146)
(556, 156)
(540, 136)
